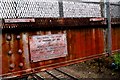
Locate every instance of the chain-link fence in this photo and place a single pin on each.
(55, 8)
(115, 10)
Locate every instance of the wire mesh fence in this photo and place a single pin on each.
(55, 8)
(115, 10)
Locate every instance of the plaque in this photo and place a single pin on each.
(46, 47)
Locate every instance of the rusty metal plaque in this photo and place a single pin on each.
(47, 47)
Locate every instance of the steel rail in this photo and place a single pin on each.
(37, 77)
(52, 75)
(66, 74)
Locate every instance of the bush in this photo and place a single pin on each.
(116, 58)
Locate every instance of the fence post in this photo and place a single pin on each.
(61, 13)
(108, 21)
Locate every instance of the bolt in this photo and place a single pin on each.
(10, 52)
(50, 21)
(8, 37)
(18, 37)
(21, 65)
(20, 51)
(12, 66)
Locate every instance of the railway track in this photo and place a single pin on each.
(54, 74)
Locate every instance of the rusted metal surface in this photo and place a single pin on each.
(115, 20)
(60, 22)
(54, 22)
(82, 43)
(115, 38)
(0, 47)
(16, 52)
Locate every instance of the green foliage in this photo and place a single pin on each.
(116, 58)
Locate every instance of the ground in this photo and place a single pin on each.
(91, 69)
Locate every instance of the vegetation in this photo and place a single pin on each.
(116, 58)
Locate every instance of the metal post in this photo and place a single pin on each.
(109, 26)
(61, 13)
(102, 8)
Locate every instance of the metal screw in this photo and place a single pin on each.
(12, 66)
(18, 37)
(20, 51)
(10, 52)
(50, 21)
(21, 65)
(8, 37)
